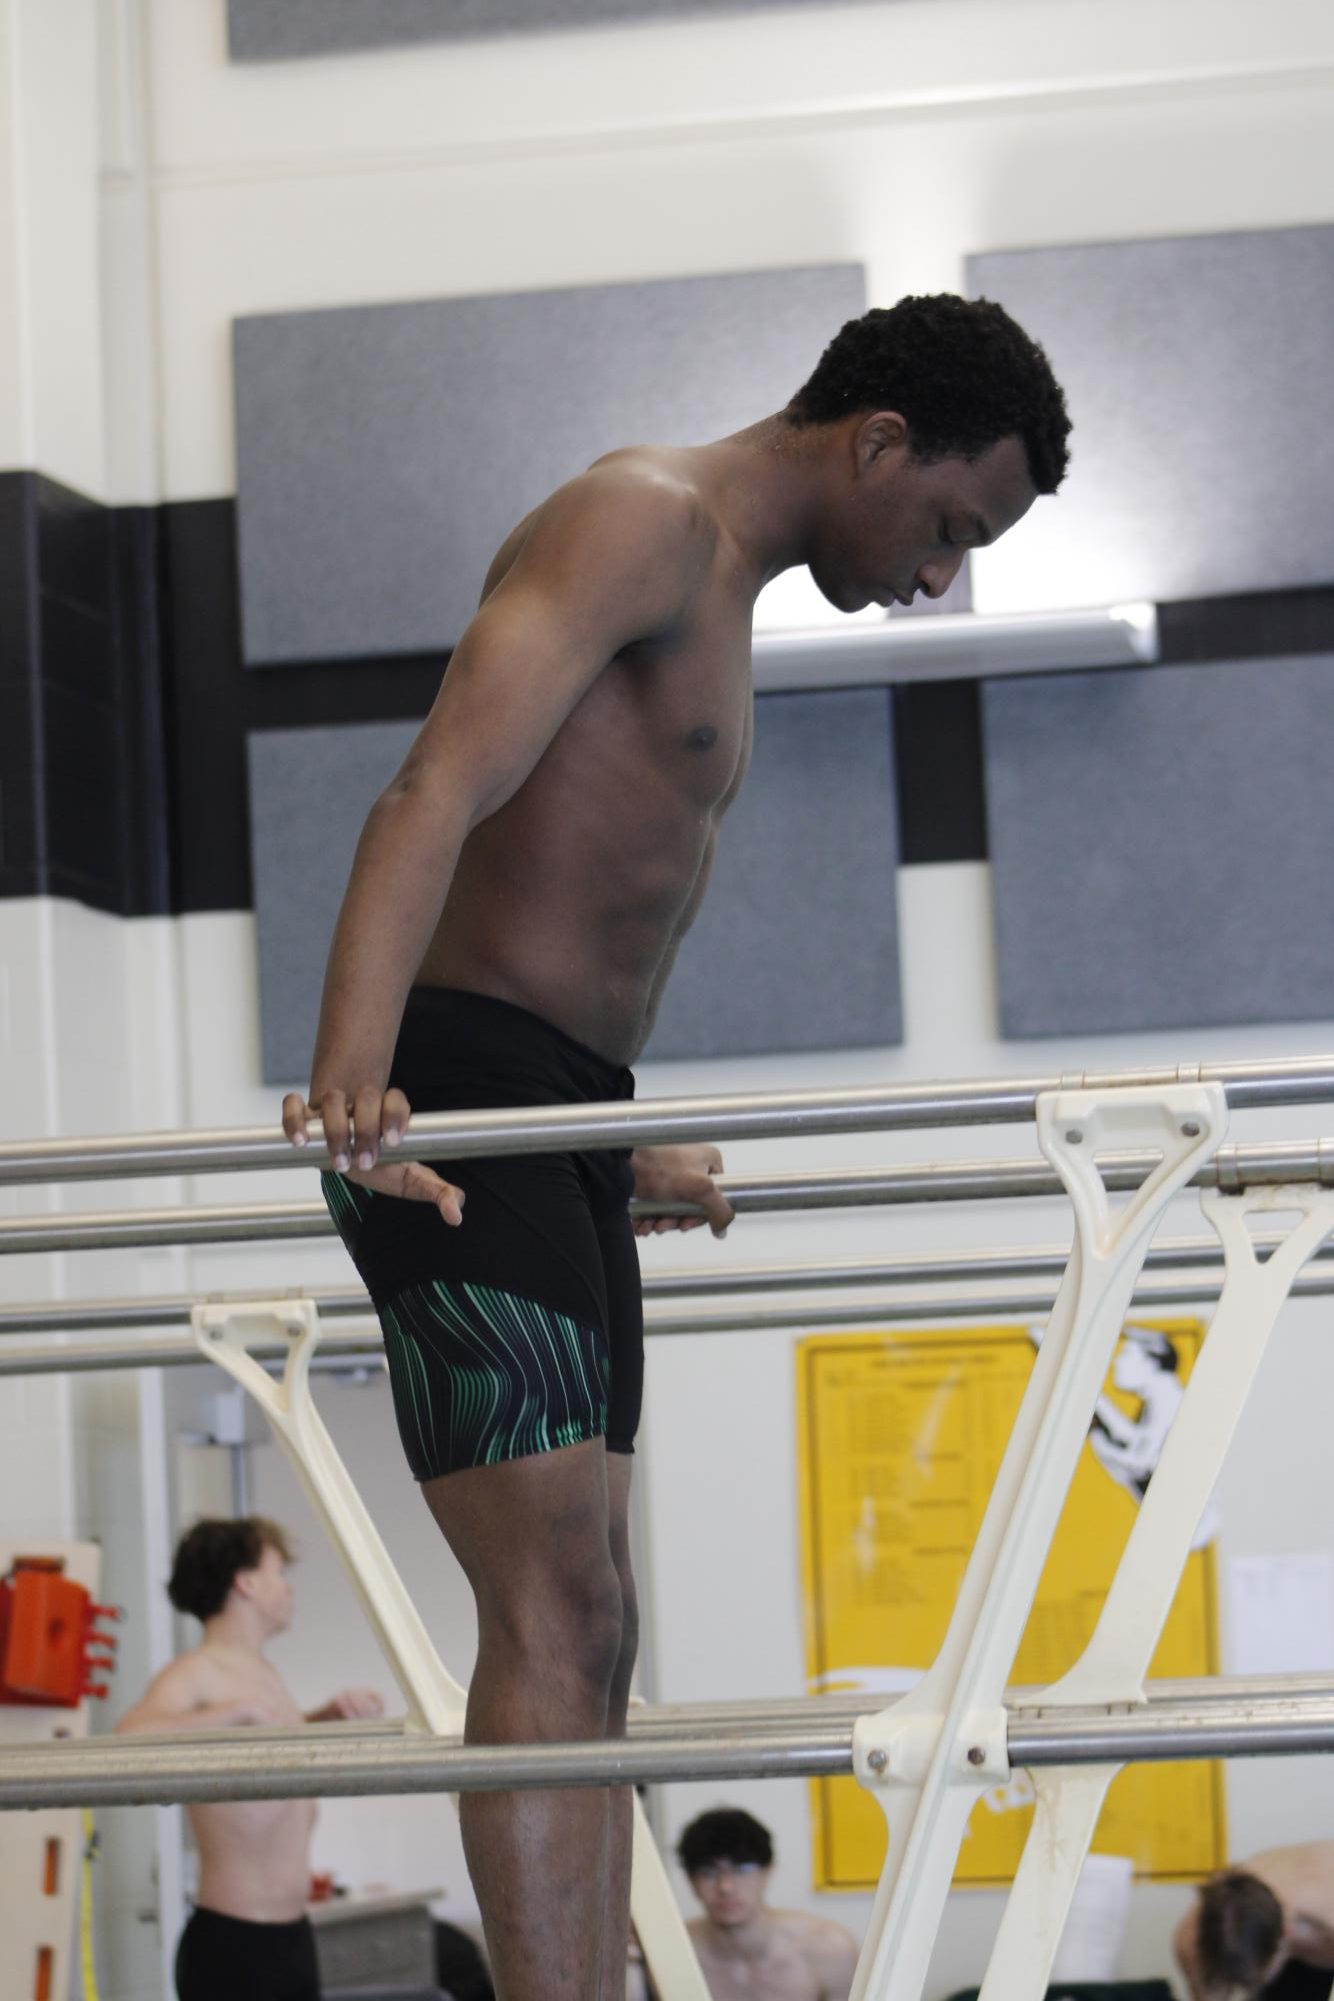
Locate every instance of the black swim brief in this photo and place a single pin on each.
(522, 1329)
(221, 1958)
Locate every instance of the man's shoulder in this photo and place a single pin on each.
(645, 491)
(814, 1924)
(187, 1667)
(825, 1942)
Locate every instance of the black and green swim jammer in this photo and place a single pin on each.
(522, 1329)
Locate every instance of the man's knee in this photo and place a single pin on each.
(570, 1616)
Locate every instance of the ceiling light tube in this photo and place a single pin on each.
(952, 646)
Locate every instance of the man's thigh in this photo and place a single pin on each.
(526, 1529)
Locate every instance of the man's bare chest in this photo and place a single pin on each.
(685, 714)
(783, 1973)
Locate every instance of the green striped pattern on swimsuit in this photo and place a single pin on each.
(347, 1204)
(480, 1375)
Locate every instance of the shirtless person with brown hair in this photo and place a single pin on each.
(518, 896)
(248, 1938)
(1265, 1927)
(747, 1951)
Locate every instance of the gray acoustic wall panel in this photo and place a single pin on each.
(310, 792)
(384, 452)
(1160, 845)
(796, 946)
(1197, 373)
(265, 30)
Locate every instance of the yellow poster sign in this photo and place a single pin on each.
(900, 1438)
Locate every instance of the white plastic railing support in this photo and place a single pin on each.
(929, 1755)
(436, 1702)
(1116, 1660)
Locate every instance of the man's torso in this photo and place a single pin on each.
(571, 900)
(790, 1968)
(254, 1856)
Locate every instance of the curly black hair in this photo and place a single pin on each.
(1240, 1930)
(960, 371)
(209, 1556)
(725, 1835)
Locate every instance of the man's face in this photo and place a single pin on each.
(269, 1588)
(903, 527)
(731, 1892)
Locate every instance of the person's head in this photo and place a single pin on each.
(219, 1563)
(948, 422)
(1143, 1357)
(1240, 1937)
(727, 1854)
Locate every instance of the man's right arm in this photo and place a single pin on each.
(612, 559)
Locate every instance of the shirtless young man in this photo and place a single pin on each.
(518, 896)
(1262, 1926)
(747, 1951)
(248, 1938)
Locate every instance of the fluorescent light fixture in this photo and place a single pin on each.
(953, 646)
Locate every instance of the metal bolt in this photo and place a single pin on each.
(877, 1760)
(976, 1755)
(1074, 1137)
(1190, 1128)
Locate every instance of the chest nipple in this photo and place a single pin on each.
(703, 738)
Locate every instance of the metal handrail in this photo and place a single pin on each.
(1232, 1168)
(921, 1303)
(1002, 1264)
(721, 1281)
(342, 1760)
(742, 1115)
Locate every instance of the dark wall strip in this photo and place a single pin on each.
(1259, 625)
(82, 757)
(938, 758)
(215, 702)
(22, 765)
(125, 707)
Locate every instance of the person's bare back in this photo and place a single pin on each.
(1258, 1916)
(1302, 1878)
(785, 1956)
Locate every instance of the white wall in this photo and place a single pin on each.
(907, 136)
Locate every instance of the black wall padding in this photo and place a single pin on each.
(1160, 843)
(1197, 373)
(263, 30)
(796, 946)
(384, 452)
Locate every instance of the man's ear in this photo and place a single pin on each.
(882, 435)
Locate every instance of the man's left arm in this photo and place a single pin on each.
(347, 1705)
